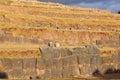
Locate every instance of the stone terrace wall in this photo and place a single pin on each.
(64, 38)
(6, 36)
(61, 63)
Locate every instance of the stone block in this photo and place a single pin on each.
(73, 60)
(29, 63)
(81, 59)
(116, 58)
(35, 39)
(93, 50)
(47, 73)
(50, 44)
(99, 60)
(66, 72)
(65, 52)
(84, 51)
(77, 51)
(93, 60)
(56, 53)
(86, 59)
(46, 52)
(48, 63)
(17, 63)
(69, 52)
(19, 39)
(85, 70)
(17, 73)
(66, 61)
(56, 73)
(98, 42)
(57, 44)
(40, 63)
(30, 72)
(82, 70)
(90, 49)
(40, 72)
(74, 70)
(7, 63)
(57, 63)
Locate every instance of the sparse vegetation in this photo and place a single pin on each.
(31, 18)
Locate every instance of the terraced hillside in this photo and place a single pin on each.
(39, 23)
(28, 26)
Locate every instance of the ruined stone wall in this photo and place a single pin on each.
(63, 37)
(61, 63)
(6, 36)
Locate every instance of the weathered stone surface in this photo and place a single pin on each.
(20, 39)
(50, 44)
(96, 60)
(93, 50)
(74, 70)
(30, 72)
(116, 58)
(48, 63)
(81, 59)
(89, 49)
(77, 51)
(40, 72)
(57, 44)
(98, 42)
(73, 60)
(17, 73)
(57, 63)
(86, 59)
(35, 39)
(40, 63)
(65, 52)
(46, 52)
(7, 63)
(47, 73)
(56, 73)
(56, 53)
(29, 63)
(17, 63)
(66, 72)
(66, 61)
(82, 70)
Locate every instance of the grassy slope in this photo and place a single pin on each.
(20, 17)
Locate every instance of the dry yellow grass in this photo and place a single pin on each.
(19, 50)
(40, 17)
(107, 51)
